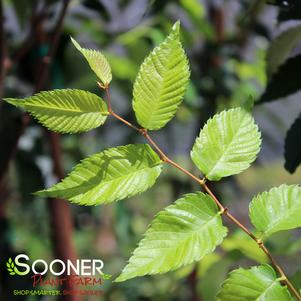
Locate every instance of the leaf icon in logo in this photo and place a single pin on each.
(10, 265)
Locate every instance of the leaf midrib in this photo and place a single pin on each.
(87, 186)
(226, 150)
(274, 282)
(79, 111)
(162, 80)
(189, 234)
(272, 224)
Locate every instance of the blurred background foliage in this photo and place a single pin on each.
(228, 45)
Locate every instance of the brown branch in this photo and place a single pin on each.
(53, 46)
(223, 209)
(39, 85)
(61, 219)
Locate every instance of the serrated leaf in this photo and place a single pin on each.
(161, 83)
(111, 175)
(97, 61)
(179, 235)
(227, 145)
(257, 283)
(284, 82)
(292, 147)
(66, 110)
(281, 47)
(276, 210)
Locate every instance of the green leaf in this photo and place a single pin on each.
(247, 246)
(227, 144)
(276, 210)
(66, 110)
(161, 83)
(281, 47)
(284, 82)
(257, 283)
(97, 61)
(179, 235)
(111, 175)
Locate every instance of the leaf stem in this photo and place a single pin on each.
(202, 182)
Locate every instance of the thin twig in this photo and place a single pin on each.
(223, 209)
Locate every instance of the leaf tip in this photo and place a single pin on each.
(75, 43)
(40, 193)
(176, 27)
(120, 278)
(14, 101)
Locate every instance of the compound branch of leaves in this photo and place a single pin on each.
(192, 227)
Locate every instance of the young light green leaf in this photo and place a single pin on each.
(281, 47)
(161, 83)
(276, 210)
(66, 110)
(227, 144)
(97, 61)
(179, 235)
(257, 283)
(111, 175)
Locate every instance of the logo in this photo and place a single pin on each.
(82, 267)
(81, 272)
(11, 267)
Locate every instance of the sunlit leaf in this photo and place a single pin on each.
(257, 283)
(97, 62)
(161, 83)
(66, 110)
(179, 235)
(111, 175)
(227, 145)
(276, 210)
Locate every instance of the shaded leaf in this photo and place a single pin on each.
(281, 47)
(97, 62)
(289, 14)
(161, 83)
(179, 235)
(276, 210)
(284, 82)
(215, 275)
(227, 145)
(111, 175)
(247, 246)
(66, 110)
(292, 152)
(256, 283)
